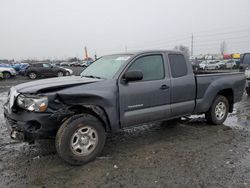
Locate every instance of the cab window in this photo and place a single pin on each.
(151, 66)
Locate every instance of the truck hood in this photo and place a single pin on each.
(53, 84)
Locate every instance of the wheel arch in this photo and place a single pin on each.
(96, 111)
(229, 94)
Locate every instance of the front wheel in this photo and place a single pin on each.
(80, 139)
(218, 112)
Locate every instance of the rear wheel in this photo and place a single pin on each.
(218, 112)
(6, 75)
(60, 74)
(32, 75)
(80, 139)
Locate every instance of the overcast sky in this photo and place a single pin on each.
(61, 28)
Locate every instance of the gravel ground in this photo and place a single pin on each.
(193, 154)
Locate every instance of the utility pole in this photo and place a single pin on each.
(192, 44)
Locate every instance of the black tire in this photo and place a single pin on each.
(217, 118)
(65, 136)
(6, 75)
(32, 75)
(60, 74)
(170, 124)
(248, 91)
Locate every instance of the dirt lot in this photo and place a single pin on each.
(193, 154)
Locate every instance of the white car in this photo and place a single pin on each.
(230, 64)
(8, 72)
(209, 65)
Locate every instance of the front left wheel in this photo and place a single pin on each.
(80, 139)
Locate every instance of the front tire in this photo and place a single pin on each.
(80, 139)
(218, 112)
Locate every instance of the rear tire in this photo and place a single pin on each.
(218, 112)
(60, 74)
(75, 136)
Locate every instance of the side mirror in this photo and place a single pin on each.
(133, 76)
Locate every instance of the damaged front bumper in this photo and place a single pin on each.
(28, 126)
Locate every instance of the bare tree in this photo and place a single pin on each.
(182, 48)
(223, 47)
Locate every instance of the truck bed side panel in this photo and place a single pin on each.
(208, 86)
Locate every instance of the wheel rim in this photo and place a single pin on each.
(32, 75)
(220, 110)
(84, 141)
(67, 73)
(59, 74)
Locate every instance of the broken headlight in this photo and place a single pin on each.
(32, 103)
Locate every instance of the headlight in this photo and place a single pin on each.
(247, 73)
(33, 103)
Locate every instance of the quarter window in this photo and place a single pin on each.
(178, 65)
(151, 66)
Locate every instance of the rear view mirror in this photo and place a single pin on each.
(133, 76)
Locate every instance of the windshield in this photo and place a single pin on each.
(105, 67)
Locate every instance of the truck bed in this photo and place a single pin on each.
(209, 83)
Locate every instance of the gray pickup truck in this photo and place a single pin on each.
(116, 92)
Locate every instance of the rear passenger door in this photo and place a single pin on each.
(183, 87)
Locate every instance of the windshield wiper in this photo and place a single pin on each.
(91, 76)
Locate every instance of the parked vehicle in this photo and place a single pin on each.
(44, 70)
(231, 64)
(245, 67)
(75, 64)
(222, 64)
(116, 92)
(64, 64)
(23, 68)
(195, 65)
(8, 72)
(209, 65)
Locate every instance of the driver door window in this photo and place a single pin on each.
(151, 66)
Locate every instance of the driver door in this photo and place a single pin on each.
(147, 99)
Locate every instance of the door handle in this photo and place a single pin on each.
(164, 86)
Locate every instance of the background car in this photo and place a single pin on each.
(8, 72)
(231, 64)
(44, 70)
(209, 65)
(64, 64)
